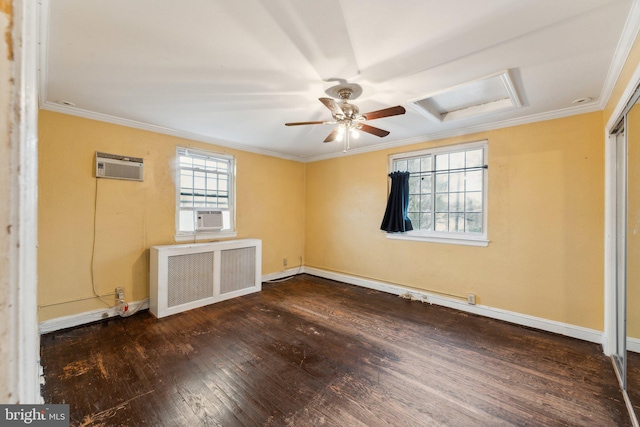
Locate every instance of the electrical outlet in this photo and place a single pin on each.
(120, 293)
(285, 262)
(471, 299)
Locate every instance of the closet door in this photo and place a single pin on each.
(621, 255)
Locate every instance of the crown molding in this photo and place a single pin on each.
(627, 38)
(79, 112)
(557, 114)
(566, 112)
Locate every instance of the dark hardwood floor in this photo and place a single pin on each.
(311, 352)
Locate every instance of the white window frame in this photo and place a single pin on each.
(184, 236)
(457, 238)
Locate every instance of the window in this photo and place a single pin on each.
(205, 180)
(447, 193)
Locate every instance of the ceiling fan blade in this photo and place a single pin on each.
(332, 105)
(374, 131)
(391, 111)
(303, 123)
(332, 136)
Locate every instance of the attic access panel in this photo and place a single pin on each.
(478, 97)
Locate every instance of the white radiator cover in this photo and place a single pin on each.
(183, 277)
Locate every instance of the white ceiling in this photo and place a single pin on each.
(233, 72)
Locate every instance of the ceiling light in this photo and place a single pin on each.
(582, 100)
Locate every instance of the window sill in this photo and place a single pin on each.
(190, 237)
(452, 240)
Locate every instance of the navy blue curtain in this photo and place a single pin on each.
(395, 217)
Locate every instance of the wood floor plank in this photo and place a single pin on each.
(311, 351)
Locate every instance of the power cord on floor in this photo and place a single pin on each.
(123, 309)
(288, 277)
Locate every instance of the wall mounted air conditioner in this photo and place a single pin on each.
(184, 277)
(208, 219)
(115, 166)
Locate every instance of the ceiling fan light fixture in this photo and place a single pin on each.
(348, 118)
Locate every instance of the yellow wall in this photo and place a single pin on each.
(546, 221)
(132, 216)
(545, 218)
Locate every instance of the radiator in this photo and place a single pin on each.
(183, 277)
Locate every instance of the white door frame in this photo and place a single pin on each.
(25, 339)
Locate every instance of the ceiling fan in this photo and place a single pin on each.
(347, 116)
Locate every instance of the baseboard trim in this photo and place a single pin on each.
(553, 326)
(282, 274)
(74, 320)
(633, 344)
(569, 330)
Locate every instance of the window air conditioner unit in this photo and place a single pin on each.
(208, 219)
(119, 167)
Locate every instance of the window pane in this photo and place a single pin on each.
(414, 165)
(400, 165)
(474, 180)
(414, 203)
(415, 219)
(414, 185)
(425, 184)
(456, 181)
(199, 180)
(442, 162)
(425, 164)
(442, 222)
(185, 161)
(474, 222)
(456, 160)
(456, 202)
(425, 203)
(425, 221)
(442, 203)
(442, 182)
(212, 182)
(473, 202)
(199, 162)
(186, 180)
(474, 158)
(456, 222)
